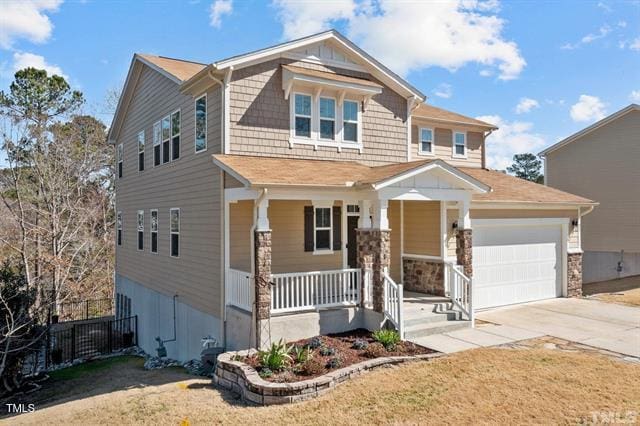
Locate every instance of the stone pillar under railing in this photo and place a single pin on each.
(374, 252)
(262, 286)
(464, 250)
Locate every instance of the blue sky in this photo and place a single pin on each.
(541, 70)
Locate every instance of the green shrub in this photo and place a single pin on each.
(327, 351)
(302, 354)
(315, 343)
(334, 362)
(360, 344)
(388, 338)
(276, 358)
(265, 373)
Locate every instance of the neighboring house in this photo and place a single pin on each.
(602, 162)
(288, 191)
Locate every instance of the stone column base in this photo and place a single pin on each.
(425, 276)
(374, 249)
(574, 274)
(262, 285)
(464, 250)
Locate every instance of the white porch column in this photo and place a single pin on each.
(365, 214)
(464, 219)
(262, 221)
(380, 215)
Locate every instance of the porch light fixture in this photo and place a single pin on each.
(574, 222)
(454, 225)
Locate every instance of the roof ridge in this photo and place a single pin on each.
(172, 59)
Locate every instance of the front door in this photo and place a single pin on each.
(352, 247)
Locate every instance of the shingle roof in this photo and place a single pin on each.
(330, 76)
(431, 112)
(270, 171)
(506, 188)
(182, 70)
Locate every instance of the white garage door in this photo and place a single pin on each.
(515, 264)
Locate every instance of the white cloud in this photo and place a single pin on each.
(634, 96)
(604, 7)
(603, 31)
(526, 104)
(635, 44)
(26, 19)
(459, 31)
(588, 108)
(219, 8)
(512, 137)
(22, 60)
(444, 90)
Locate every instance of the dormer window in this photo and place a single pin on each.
(302, 115)
(326, 108)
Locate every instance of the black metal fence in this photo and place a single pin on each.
(89, 339)
(84, 310)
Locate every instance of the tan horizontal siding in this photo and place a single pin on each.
(286, 219)
(259, 117)
(191, 183)
(443, 144)
(396, 238)
(603, 166)
(422, 227)
(240, 225)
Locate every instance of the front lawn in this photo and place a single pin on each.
(532, 384)
(624, 290)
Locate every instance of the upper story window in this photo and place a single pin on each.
(141, 151)
(459, 144)
(350, 113)
(201, 123)
(119, 228)
(327, 118)
(166, 138)
(302, 115)
(156, 144)
(120, 159)
(426, 140)
(175, 135)
(140, 230)
(174, 231)
(153, 223)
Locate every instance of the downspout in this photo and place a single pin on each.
(226, 96)
(484, 148)
(162, 351)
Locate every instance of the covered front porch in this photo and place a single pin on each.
(304, 261)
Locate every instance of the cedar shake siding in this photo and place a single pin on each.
(443, 143)
(259, 116)
(191, 183)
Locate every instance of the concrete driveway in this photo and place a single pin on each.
(599, 324)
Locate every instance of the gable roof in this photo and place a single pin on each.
(430, 112)
(379, 70)
(331, 76)
(179, 69)
(605, 121)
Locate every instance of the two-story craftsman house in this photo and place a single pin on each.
(305, 188)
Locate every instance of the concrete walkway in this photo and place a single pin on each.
(602, 325)
(483, 335)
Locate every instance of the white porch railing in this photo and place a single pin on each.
(301, 291)
(460, 289)
(238, 289)
(367, 281)
(393, 299)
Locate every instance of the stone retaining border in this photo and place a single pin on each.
(245, 381)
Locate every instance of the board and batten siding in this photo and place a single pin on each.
(191, 183)
(422, 228)
(603, 166)
(443, 143)
(259, 119)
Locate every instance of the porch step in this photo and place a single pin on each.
(430, 314)
(423, 329)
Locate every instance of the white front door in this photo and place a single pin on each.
(516, 263)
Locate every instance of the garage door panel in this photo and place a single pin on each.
(516, 264)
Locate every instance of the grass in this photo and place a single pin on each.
(495, 385)
(93, 367)
(625, 290)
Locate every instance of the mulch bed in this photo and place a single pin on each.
(342, 344)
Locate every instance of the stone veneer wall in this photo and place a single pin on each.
(262, 285)
(425, 276)
(374, 249)
(464, 250)
(574, 274)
